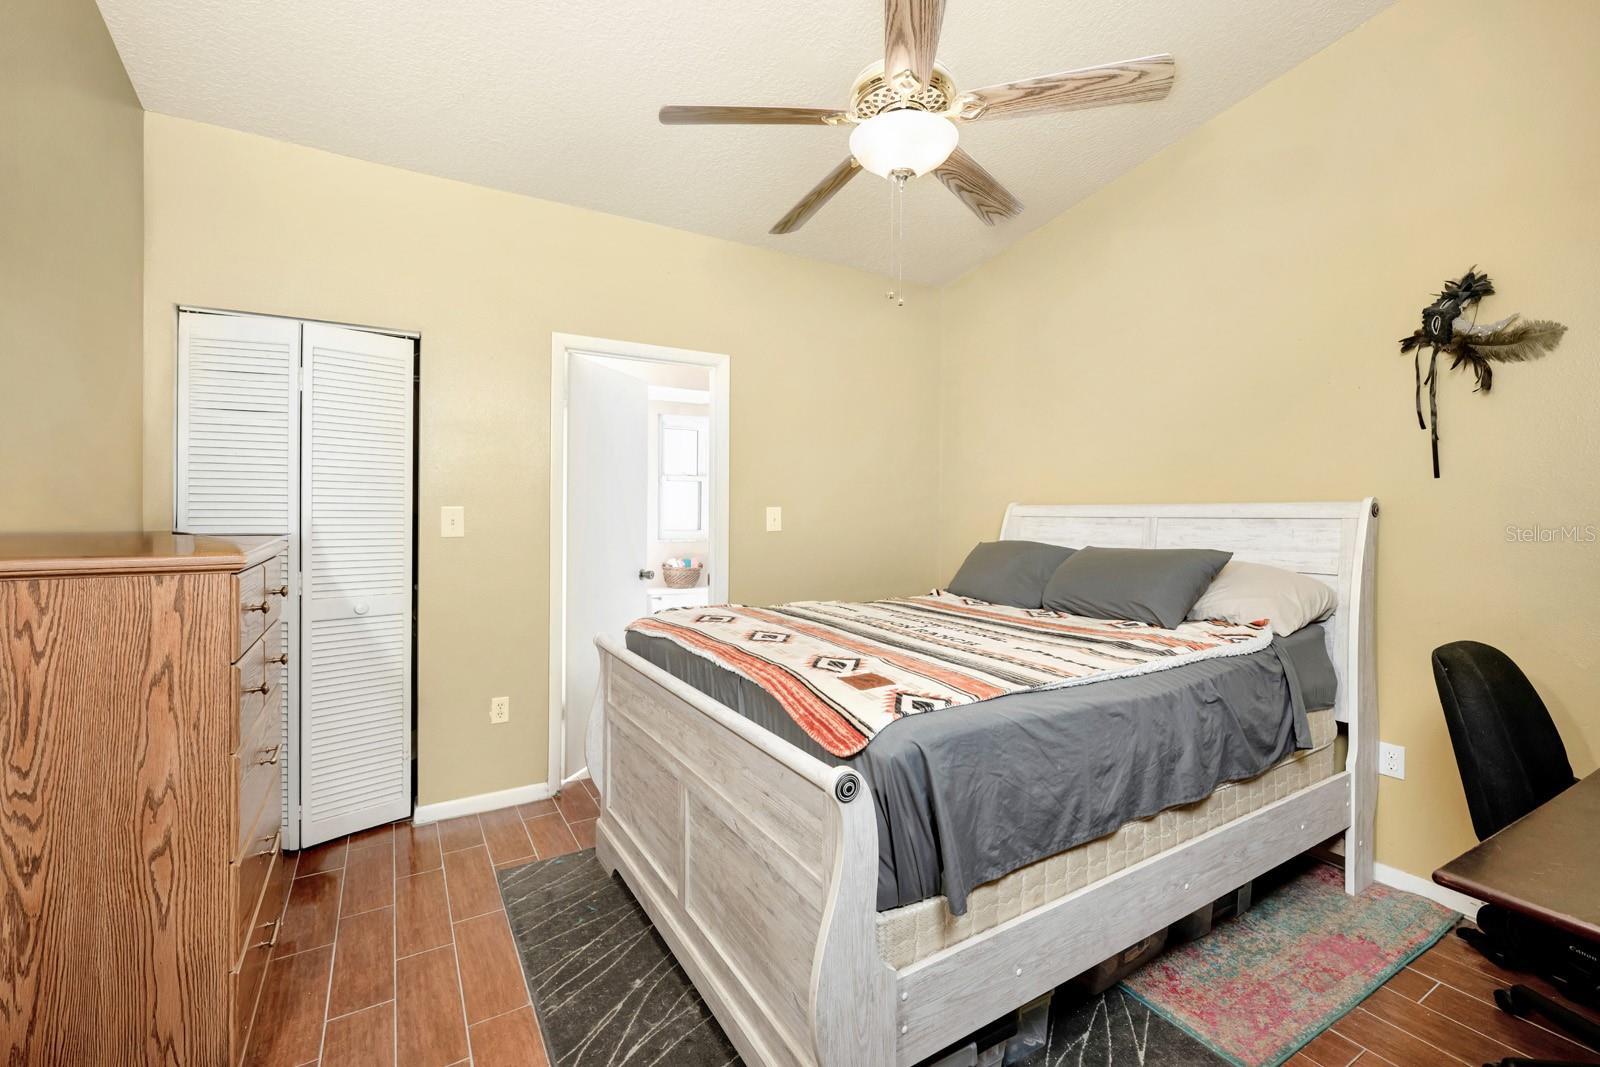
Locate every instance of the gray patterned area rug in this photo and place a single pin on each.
(608, 991)
(604, 984)
(1113, 1029)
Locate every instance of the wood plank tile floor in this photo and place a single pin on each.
(1439, 1010)
(396, 952)
(395, 949)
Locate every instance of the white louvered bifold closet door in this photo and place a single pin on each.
(356, 537)
(237, 429)
(237, 467)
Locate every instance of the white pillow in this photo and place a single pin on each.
(1252, 592)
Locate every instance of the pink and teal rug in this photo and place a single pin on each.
(1260, 986)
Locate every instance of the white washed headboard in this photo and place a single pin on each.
(1333, 542)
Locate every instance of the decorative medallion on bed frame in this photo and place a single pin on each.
(759, 863)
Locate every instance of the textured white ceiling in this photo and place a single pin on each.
(558, 99)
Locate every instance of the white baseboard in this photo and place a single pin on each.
(1423, 887)
(504, 798)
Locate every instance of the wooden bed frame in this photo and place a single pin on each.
(759, 863)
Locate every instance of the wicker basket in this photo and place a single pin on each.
(680, 577)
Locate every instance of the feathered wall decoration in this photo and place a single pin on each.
(1511, 340)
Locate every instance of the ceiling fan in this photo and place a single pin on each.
(907, 112)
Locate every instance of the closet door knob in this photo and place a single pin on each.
(362, 608)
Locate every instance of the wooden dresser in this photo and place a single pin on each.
(141, 691)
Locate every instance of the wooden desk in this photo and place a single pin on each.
(1546, 864)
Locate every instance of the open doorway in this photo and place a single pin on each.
(638, 507)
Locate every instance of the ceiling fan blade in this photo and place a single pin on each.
(977, 188)
(695, 115)
(1149, 78)
(910, 38)
(819, 195)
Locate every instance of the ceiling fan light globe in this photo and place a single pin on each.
(906, 139)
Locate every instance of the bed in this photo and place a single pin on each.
(759, 861)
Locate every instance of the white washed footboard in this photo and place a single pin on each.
(758, 864)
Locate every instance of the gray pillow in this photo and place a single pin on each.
(1153, 585)
(1008, 572)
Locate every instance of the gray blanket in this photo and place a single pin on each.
(968, 794)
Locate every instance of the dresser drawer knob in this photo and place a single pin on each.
(271, 757)
(262, 689)
(271, 841)
(284, 659)
(262, 607)
(282, 590)
(271, 941)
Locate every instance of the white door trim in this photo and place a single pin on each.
(563, 346)
(200, 309)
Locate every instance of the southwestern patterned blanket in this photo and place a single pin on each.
(845, 671)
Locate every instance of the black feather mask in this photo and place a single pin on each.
(1445, 329)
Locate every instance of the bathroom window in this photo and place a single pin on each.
(684, 498)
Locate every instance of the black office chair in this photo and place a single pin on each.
(1512, 760)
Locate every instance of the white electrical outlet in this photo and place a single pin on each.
(453, 521)
(774, 520)
(1391, 760)
(499, 709)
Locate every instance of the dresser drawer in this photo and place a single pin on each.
(259, 669)
(244, 988)
(257, 771)
(244, 981)
(250, 692)
(273, 654)
(249, 874)
(259, 594)
(250, 601)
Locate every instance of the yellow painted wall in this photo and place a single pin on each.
(831, 391)
(1220, 324)
(71, 249)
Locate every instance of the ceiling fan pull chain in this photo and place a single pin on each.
(893, 250)
(900, 239)
(897, 236)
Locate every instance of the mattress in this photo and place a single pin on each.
(916, 931)
(1077, 763)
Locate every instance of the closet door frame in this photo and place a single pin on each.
(563, 348)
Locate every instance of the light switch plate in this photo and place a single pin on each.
(1391, 760)
(453, 521)
(774, 520)
(499, 709)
